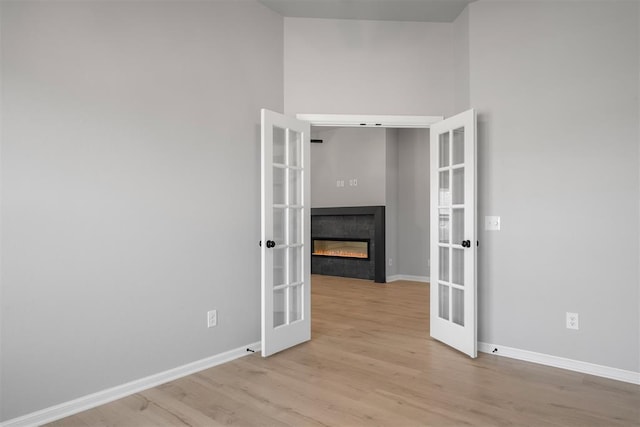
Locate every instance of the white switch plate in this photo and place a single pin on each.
(492, 223)
(340, 183)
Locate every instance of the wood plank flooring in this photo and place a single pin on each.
(371, 362)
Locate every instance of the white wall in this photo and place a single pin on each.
(346, 154)
(126, 127)
(368, 67)
(556, 89)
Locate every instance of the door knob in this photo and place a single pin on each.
(271, 244)
(466, 243)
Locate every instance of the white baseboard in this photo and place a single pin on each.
(561, 362)
(397, 277)
(66, 409)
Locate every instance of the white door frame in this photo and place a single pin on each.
(368, 120)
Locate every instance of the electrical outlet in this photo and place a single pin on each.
(572, 321)
(212, 318)
(390, 261)
(340, 183)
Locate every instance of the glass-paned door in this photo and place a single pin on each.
(453, 231)
(285, 237)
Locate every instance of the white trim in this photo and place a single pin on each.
(561, 362)
(71, 407)
(397, 277)
(368, 120)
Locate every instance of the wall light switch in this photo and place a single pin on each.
(492, 223)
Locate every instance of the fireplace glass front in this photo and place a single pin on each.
(341, 248)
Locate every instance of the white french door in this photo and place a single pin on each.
(285, 236)
(453, 232)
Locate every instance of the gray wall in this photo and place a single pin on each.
(127, 127)
(368, 67)
(460, 48)
(413, 202)
(345, 154)
(556, 88)
(391, 210)
(1, 214)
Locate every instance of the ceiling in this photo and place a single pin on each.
(380, 10)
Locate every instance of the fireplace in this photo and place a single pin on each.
(349, 242)
(341, 248)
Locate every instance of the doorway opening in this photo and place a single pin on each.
(387, 167)
(286, 207)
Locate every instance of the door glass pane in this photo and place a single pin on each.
(443, 303)
(295, 265)
(295, 304)
(457, 306)
(278, 145)
(295, 145)
(278, 266)
(295, 187)
(279, 307)
(444, 193)
(458, 186)
(295, 226)
(444, 224)
(444, 149)
(457, 227)
(458, 146)
(457, 266)
(279, 190)
(279, 226)
(444, 265)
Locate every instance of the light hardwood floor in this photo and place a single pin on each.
(371, 362)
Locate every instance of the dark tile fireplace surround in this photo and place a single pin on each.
(364, 223)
